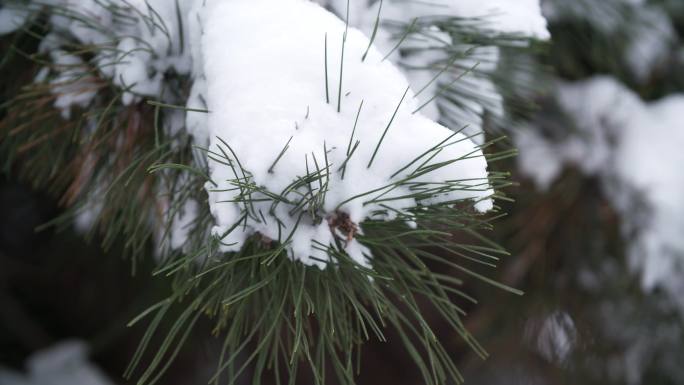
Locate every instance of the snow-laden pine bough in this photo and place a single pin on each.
(281, 164)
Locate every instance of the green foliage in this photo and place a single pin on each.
(281, 314)
(119, 161)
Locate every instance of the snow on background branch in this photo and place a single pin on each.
(634, 148)
(65, 363)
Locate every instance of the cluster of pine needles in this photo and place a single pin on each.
(271, 313)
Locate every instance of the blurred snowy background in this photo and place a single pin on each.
(596, 234)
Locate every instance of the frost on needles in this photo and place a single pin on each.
(307, 140)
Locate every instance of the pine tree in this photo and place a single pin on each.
(287, 167)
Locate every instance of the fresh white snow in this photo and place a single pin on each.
(256, 109)
(136, 50)
(522, 17)
(437, 66)
(259, 68)
(634, 147)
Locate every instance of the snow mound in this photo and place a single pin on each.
(274, 123)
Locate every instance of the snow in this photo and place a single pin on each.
(256, 109)
(522, 17)
(73, 86)
(554, 336)
(425, 55)
(539, 159)
(266, 85)
(651, 42)
(63, 364)
(634, 147)
(645, 28)
(182, 223)
(12, 18)
(137, 50)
